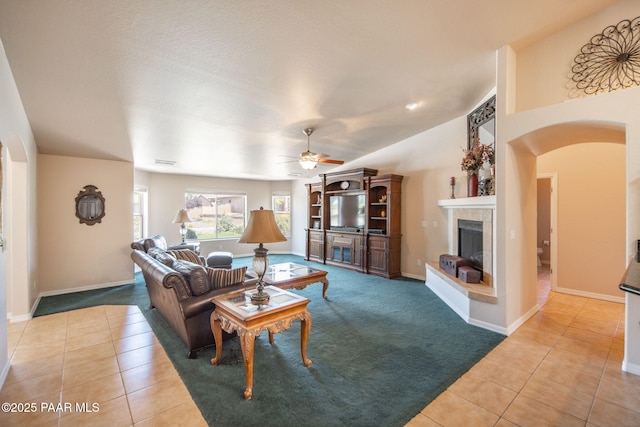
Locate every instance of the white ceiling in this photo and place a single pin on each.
(225, 88)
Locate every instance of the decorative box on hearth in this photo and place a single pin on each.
(443, 260)
(469, 274)
(452, 263)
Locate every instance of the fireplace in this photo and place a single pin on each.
(476, 242)
(470, 241)
(471, 235)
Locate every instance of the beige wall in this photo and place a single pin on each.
(18, 258)
(75, 255)
(166, 196)
(591, 216)
(546, 120)
(426, 161)
(544, 68)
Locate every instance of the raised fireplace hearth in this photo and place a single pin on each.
(470, 236)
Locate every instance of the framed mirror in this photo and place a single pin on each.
(90, 206)
(481, 124)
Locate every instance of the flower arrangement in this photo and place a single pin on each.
(472, 159)
(476, 156)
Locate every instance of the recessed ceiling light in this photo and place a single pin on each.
(412, 106)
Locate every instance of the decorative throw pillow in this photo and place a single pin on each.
(195, 274)
(186, 254)
(221, 278)
(162, 256)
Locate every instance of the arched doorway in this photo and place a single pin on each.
(16, 232)
(588, 160)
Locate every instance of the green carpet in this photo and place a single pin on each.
(381, 350)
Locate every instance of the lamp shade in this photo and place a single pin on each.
(182, 216)
(262, 228)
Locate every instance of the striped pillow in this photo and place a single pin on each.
(186, 255)
(221, 278)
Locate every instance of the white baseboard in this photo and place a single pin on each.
(631, 368)
(488, 326)
(593, 295)
(85, 288)
(5, 371)
(29, 316)
(515, 325)
(414, 276)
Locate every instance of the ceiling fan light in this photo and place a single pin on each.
(307, 163)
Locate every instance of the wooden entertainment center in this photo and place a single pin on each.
(354, 221)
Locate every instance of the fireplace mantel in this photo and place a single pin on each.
(483, 202)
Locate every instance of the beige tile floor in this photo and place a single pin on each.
(561, 368)
(104, 355)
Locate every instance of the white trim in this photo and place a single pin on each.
(483, 202)
(413, 276)
(488, 326)
(22, 317)
(29, 316)
(86, 288)
(631, 368)
(593, 295)
(5, 371)
(521, 321)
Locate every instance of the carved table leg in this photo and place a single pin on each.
(217, 337)
(247, 342)
(305, 327)
(325, 286)
(271, 340)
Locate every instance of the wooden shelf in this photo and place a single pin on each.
(376, 252)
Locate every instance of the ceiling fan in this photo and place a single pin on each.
(309, 160)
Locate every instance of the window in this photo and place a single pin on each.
(281, 203)
(215, 215)
(139, 213)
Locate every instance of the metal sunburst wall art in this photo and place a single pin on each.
(611, 60)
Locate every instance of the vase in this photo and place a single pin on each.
(472, 185)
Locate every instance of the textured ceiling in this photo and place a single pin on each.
(225, 88)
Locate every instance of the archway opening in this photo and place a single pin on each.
(587, 248)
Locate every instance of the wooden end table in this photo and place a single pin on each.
(289, 275)
(234, 312)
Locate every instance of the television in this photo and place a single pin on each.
(347, 211)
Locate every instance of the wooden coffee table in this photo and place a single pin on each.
(289, 275)
(234, 312)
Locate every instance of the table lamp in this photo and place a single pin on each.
(261, 228)
(181, 217)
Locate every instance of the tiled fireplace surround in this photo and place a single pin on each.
(486, 217)
(450, 289)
